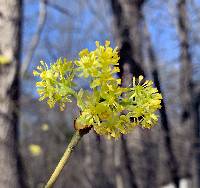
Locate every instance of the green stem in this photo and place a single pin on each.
(65, 158)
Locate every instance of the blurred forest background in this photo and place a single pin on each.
(157, 38)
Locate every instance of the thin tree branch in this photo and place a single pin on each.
(98, 15)
(59, 8)
(36, 37)
(65, 158)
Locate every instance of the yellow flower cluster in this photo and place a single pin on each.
(56, 82)
(35, 150)
(102, 107)
(142, 101)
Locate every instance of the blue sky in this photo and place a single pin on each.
(67, 35)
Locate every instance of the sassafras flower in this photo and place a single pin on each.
(110, 109)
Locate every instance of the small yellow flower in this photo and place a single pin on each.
(45, 127)
(35, 150)
(4, 60)
(56, 82)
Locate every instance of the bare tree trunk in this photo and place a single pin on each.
(10, 29)
(128, 25)
(88, 161)
(196, 109)
(186, 67)
(187, 91)
(100, 178)
(150, 153)
(119, 183)
(171, 161)
(128, 163)
(128, 17)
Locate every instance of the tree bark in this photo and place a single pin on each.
(10, 40)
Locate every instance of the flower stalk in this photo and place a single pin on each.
(65, 158)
